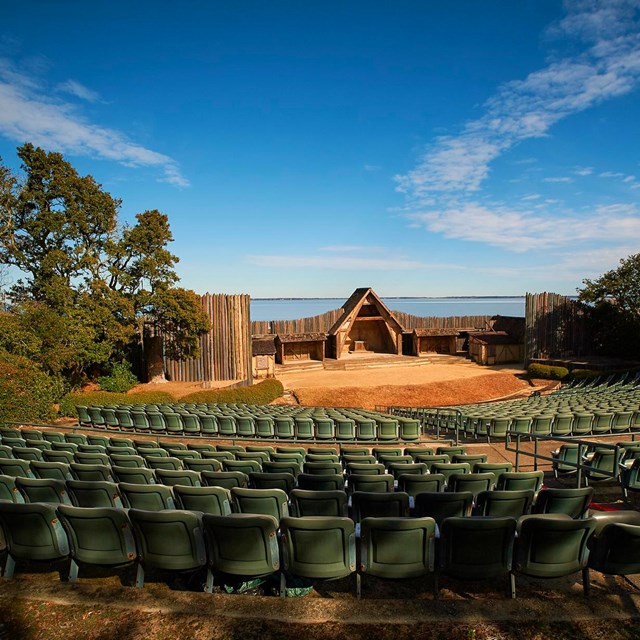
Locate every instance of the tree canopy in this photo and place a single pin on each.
(615, 300)
(90, 288)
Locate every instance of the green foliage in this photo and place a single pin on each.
(26, 392)
(262, 393)
(546, 372)
(585, 374)
(90, 288)
(120, 380)
(615, 301)
(69, 403)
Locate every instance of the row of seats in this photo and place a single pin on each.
(580, 411)
(251, 421)
(245, 546)
(363, 496)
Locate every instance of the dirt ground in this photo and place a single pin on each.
(105, 605)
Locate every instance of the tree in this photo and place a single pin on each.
(615, 300)
(89, 287)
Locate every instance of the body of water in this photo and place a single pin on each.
(293, 308)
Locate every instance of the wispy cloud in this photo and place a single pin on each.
(444, 188)
(79, 91)
(336, 262)
(28, 113)
(372, 167)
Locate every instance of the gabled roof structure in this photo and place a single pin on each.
(366, 324)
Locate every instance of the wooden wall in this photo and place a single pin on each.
(225, 351)
(556, 327)
(409, 322)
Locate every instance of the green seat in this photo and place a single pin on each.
(173, 423)
(214, 500)
(32, 533)
(27, 453)
(388, 429)
(53, 470)
(354, 451)
(602, 466)
(242, 466)
(134, 462)
(53, 436)
(359, 460)
(272, 502)
(103, 441)
(470, 459)
(324, 428)
(16, 468)
(202, 465)
(257, 456)
(94, 494)
(374, 483)
(318, 503)
(284, 427)
(323, 468)
(630, 478)
(396, 548)
(263, 480)
(76, 438)
(345, 428)
(134, 475)
(615, 550)
(513, 504)
(602, 422)
(400, 469)
(125, 419)
(8, 490)
(314, 457)
(241, 545)
(171, 477)
(563, 459)
(290, 450)
(451, 451)
(365, 504)
(91, 458)
(265, 427)
(447, 469)
(64, 446)
(91, 448)
(191, 424)
(264, 448)
(200, 447)
(43, 490)
(317, 548)
(150, 497)
(65, 457)
(303, 427)
(416, 451)
(366, 429)
(226, 479)
(141, 422)
(478, 548)
(171, 540)
(498, 427)
(474, 483)
(322, 482)
(413, 484)
(582, 423)
(553, 546)
(162, 462)
(519, 480)
(97, 536)
(410, 429)
(227, 426)
(441, 505)
(562, 424)
(497, 468)
(430, 459)
(100, 472)
(383, 454)
(572, 502)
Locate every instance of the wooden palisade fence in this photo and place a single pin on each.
(556, 327)
(225, 351)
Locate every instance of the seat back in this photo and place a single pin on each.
(148, 497)
(272, 502)
(382, 483)
(572, 502)
(318, 503)
(43, 490)
(213, 500)
(379, 505)
(94, 494)
(441, 505)
(511, 504)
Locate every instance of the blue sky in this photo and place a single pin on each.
(309, 148)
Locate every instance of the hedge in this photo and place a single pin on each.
(27, 393)
(262, 393)
(547, 372)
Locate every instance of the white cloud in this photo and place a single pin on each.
(27, 113)
(444, 189)
(629, 179)
(610, 174)
(372, 167)
(533, 196)
(79, 90)
(520, 230)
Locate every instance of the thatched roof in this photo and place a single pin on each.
(301, 337)
(493, 338)
(438, 333)
(263, 346)
(356, 300)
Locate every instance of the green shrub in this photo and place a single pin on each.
(69, 403)
(27, 393)
(547, 372)
(262, 393)
(585, 374)
(120, 380)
